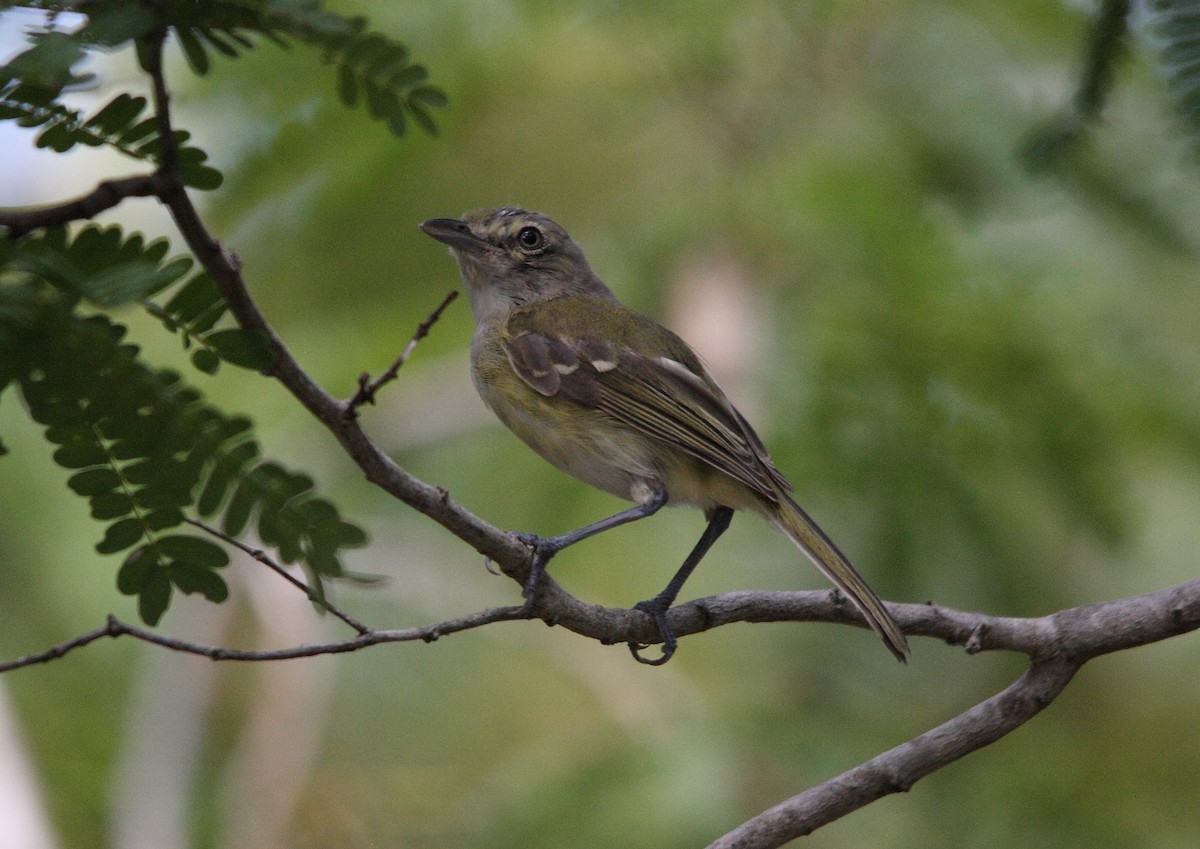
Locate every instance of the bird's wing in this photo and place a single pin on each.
(649, 391)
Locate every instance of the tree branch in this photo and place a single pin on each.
(19, 221)
(117, 628)
(1058, 644)
(1074, 635)
(896, 770)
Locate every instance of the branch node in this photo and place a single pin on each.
(974, 643)
(232, 257)
(899, 784)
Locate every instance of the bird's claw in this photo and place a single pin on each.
(658, 611)
(543, 550)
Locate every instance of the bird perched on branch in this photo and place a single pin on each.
(620, 402)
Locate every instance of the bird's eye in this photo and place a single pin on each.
(531, 239)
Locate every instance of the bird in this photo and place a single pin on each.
(620, 402)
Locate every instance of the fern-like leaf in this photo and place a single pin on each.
(118, 124)
(102, 266)
(372, 69)
(144, 447)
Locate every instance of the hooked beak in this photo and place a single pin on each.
(454, 233)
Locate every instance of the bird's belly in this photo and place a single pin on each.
(613, 458)
(603, 452)
(594, 452)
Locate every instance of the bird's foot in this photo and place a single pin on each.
(543, 549)
(657, 607)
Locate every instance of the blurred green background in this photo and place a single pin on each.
(981, 381)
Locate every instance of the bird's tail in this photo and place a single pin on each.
(788, 516)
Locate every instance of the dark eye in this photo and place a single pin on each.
(531, 238)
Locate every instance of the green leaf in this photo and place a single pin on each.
(118, 113)
(168, 517)
(80, 455)
(347, 85)
(408, 77)
(380, 102)
(48, 63)
(136, 569)
(198, 295)
(196, 579)
(120, 536)
(155, 596)
(144, 129)
(316, 511)
(246, 348)
(171, 493)
(94, 481)
(324, 562)
(193, 50)
(56, 414)
(202, 177)
(237, 513)
(65, 433)
(350, 536)
(206, 361)
(207, 319)
(57, 137)
(142, 471)
(132, 281)
(111, 505)
(397, 123)
(217, 41)
(194, 551)
(427, 95)
(222, 474)
(424, 119)
(114, 24)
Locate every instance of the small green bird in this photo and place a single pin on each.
(620, 402)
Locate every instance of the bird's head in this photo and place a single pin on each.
(509, 257)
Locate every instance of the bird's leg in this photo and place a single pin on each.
(661, 603)
(546, 547)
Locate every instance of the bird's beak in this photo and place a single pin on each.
(454, 233)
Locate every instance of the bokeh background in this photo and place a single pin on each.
(980, 378)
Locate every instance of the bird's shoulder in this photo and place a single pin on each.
(602, 330)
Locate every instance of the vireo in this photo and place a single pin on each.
(620, 402)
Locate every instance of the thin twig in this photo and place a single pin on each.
(264, 558)
(118, 628)
(367, 387)
(19, 221)
(55, 651)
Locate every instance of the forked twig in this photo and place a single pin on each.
(367, 387)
